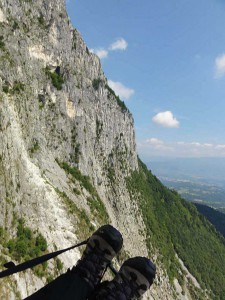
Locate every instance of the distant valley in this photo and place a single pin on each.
(211, 195)
(201, 180)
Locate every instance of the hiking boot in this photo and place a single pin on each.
(133, 279)
(101, 247)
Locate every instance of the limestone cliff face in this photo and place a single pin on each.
(58, 113)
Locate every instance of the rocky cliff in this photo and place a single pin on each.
(67, 145)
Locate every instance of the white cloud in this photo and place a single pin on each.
(197, 144)
(119, 44)
(101, 52)
(154, 146)
(157, 147)
(166, 119)
(220, 147)
(154, 141)
(220, 66)
(121, 90)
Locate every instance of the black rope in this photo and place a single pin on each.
(12, 268)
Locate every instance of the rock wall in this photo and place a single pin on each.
(57, 110)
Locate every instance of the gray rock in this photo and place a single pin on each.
(55, 107)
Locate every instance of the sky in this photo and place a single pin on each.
(166, 61)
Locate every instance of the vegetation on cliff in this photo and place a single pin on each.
(174, 226)
(215, 217)
(26, 245)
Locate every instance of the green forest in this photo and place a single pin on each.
(175, 227)
(215, 217)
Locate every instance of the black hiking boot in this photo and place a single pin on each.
(101, 247)
(133, 279)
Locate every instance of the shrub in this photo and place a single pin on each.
(2, 43)
(56, 77)
(41, 242)
(59, 264)
(35, 147)
(5, 89)
(15, 25)
(99, 128)
(76, 191)
(41, 21)
(77, 153)
(26, 244)
(119, 102)
(96, 83)
(18, 86)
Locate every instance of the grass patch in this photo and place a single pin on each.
(84, 227)
(17, 87)
(96, 205)
(25, 245)
(59, 264)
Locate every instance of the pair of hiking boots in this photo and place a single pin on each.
(134, 277)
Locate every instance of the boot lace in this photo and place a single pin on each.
(122, 288)
(93, 265)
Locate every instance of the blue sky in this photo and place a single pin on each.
(166, 60)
